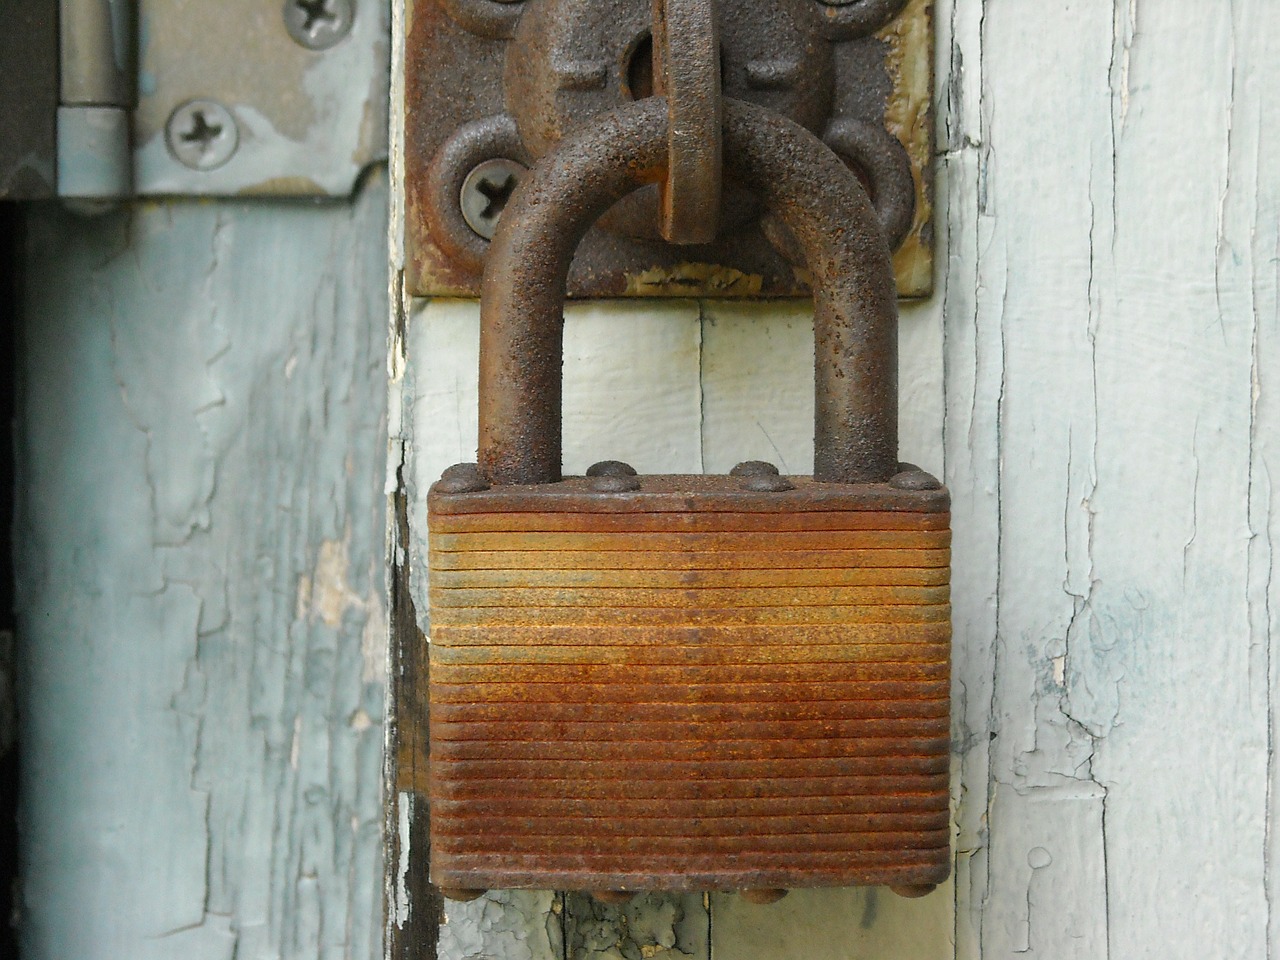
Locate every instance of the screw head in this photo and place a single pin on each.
(318, 24)
(202, 134)
(485, 193)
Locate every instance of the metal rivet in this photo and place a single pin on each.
(318, 24)
(767, 483)
(915, 480)
(485, 193)
(202, 134)
(762, 897)
(754, 468)
(462, 478)
(614, 484)
(460, 470)
(611, 468)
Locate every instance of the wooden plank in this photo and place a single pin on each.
(835, 925)
(1034, 289)
(1126, 665)
(973, 383)
(1253, 210)
(202, 585)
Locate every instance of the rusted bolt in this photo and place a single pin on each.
(462, 478)
(762, 897)
(485, 193)
(202, 134)
(754, 468)
(611, 468)
(318, 24)
(614, 483)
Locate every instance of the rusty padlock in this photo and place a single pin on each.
(689, 682)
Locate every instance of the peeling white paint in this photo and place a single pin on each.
(194, 771)
(402, 906)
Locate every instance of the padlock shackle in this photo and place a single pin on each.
(806, 185)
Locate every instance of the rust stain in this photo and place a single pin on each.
(291, 186)
(689, 725)
(693, 279)
(909, 117)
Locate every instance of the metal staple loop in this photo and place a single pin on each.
(797, 177)
(686, 70)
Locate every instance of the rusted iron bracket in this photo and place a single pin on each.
(523, 74)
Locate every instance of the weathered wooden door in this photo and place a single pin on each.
(1091, 377)
(203, 627)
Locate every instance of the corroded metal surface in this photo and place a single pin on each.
(686, 71)
(858, 75)
(799, 180)
(689, 686)
(684, 683)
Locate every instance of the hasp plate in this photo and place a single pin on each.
(491, 85)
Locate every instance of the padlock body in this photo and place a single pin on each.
(689, 687)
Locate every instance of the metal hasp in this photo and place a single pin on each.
(675, 682)
(524, 74)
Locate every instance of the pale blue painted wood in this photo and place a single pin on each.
(201, 576)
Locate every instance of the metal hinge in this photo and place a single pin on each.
(187, 97)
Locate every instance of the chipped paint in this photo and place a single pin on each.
(651, 926)
(310, 123)
(910, 64)
(403, 904)
(200, 581)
